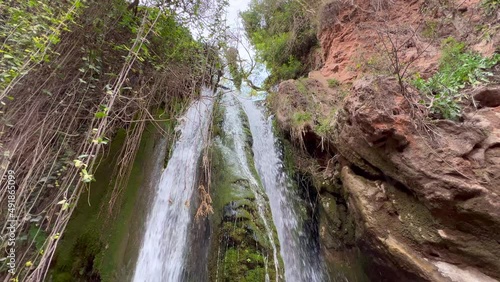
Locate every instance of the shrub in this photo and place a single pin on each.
(282, 35)
(300, 118)
(29, 30)
(458, 68)
(324, 127)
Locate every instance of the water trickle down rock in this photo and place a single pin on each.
(245, 246)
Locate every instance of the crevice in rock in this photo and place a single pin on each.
(365, 174)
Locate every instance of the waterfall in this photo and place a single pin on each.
(300, 255)
(165, 246)
(238, 160)
(162, 253)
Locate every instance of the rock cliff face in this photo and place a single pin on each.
(423, 193)
(351, 31)
(447, 176)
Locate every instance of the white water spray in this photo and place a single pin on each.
(163, 250)
(301, 261)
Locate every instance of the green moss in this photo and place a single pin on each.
(240, 236)
(96, 243)
(240, 232)
(248, 148)
(244, 265)
(116, 249)
(81, 242)
(217, 119)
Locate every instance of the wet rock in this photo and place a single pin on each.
(458, 274)
(377, 231)
(240, 248)
(330, 223)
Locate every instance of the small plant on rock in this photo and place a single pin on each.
(300, 118)
(458, 69)
(332, 83)
(490, 6)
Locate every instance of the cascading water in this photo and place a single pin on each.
(162, 254)
(233, 126)
(300, 256)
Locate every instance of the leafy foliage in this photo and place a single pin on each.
(282, 35)
(168, 41)
(29, 30)
(73, 75)
(458, 68)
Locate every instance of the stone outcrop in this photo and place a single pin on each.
(424, 194)
(487, 96)
(451, 169)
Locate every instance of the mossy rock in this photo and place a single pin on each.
(96, 245)
(240, 247)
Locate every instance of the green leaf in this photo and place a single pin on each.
(99, 115)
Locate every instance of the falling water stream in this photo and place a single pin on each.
(300, 256)
(162, 256)
(233, 125)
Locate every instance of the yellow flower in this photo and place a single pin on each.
(86, 177)
(78, 163)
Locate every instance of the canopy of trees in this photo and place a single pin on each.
(282, 33)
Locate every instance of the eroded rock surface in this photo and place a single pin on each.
(452, 169)
(425, 194)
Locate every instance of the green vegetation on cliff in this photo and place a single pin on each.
(458, 68)
(240, 248)
(74, 74)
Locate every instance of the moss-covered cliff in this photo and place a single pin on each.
(244, 246)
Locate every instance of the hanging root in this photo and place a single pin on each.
(205, 207)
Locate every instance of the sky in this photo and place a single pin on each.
(234, 20)
(236, 6)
